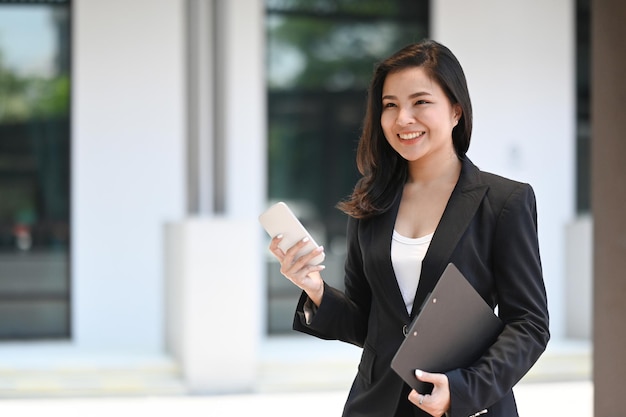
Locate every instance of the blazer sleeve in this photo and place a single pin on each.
(342, 315)
(522, 305)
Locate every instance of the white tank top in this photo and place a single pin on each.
(407, 255)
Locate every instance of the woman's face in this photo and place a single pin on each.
(417, 116)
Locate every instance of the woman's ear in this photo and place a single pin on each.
(457, 112)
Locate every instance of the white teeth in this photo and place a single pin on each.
(411, 135)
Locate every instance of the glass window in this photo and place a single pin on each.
(34, 169)
(583, 105)
(321, 55)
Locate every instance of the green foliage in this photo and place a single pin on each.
(333, 45)
(27, 97)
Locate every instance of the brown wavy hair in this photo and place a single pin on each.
(382, 169)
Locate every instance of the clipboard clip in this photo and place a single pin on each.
(407, 327)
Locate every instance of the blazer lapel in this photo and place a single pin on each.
(464, 201)
(383, 230)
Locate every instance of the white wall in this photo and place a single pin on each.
(518, 57)
(128, 145)
(241, 73)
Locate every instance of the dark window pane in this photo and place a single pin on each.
(583, 105)
(34, 169)
(321, 55)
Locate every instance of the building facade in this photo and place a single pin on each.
(169, 171)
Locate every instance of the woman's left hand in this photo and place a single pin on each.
(437, 402)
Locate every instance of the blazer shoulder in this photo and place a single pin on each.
(499, 182)
(501, 189)
(472, 175)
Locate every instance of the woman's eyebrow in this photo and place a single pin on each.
(414, 95)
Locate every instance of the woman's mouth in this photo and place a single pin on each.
(410, 135)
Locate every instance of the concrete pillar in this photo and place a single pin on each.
(579, 273)
(214, 258)
(608, 204)
(213, 318)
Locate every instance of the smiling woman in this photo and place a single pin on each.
(422, 205)
(34, 169)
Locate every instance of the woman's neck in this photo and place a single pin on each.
(427, 171)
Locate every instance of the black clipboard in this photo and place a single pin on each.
(453, 329)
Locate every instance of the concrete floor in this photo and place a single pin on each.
(534, 400)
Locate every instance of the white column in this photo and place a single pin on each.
(212, 296)
(579, 288)
(215, 270)
(128, 142)
(240, 71)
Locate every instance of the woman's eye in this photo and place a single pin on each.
(421, 102)
(388, 105)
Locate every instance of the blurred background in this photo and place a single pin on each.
(139, 141)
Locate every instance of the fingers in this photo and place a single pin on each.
(292, 253)
(430, 403)
(438, 401)
(296, 269)
(289, 257)
(279, 253)
(435, 379)
(276, 251)
(416, 398)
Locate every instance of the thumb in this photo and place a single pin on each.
(426, 376)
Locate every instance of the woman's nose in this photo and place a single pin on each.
(405, 117)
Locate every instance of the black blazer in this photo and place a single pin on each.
(489, 231)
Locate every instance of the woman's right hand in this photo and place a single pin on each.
(299, 270)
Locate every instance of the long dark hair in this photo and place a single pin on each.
(382, 169)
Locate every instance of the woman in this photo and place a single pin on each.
(421, 204)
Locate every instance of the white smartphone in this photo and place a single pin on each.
(279, 219)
